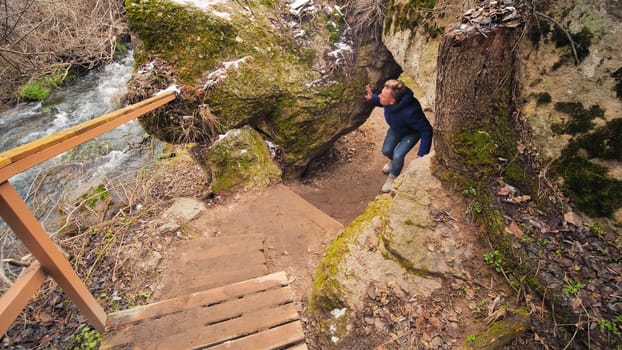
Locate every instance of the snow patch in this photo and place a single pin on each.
(206, 5)
(233, 132)
(146, 68)
(341, 51)
(223, 15)
(333, 329)
(220, 74)
(338, 312)
(272, 147)
(298, 6)
(170, 88)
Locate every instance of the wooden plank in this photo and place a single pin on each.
(211, 296)
(17, 297)
(219, 278)
(4, 161)
(273, 338)
(205, 335)
(26, 156)
(178, 322)
(301, 346)
(32, 147)
(123, 341)
(23, 222)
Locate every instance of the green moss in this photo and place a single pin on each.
(433, 29)
(581, 119)
(192, 39)
(334, 25)
(403, 15)
(518, 174)
(327, 293)
(502, 332)
(39, 88)
(392, 254)
(35, 91)
(120, 50)
(241, 160)
(268, 3)
(478, 148)
(588, 185)
(95, 195)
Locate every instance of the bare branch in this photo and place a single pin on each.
(39, 35)
(574, 50)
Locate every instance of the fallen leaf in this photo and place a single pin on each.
(575, 303)
(573, 218)
(514, 229)
(504, 191)
(44, 316)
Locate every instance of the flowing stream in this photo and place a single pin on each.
(83, 168)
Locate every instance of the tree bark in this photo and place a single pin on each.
(473, 90)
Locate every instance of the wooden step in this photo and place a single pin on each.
(254, 314)
(204, 263)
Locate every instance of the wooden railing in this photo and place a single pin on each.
(50, 261)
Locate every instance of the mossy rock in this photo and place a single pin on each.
(241, 160)
(239, 68)
(502, 332)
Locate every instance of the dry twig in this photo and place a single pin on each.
(574, 49)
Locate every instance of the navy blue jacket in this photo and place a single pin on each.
(407, 117)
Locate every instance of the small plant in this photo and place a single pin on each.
(86, 339)
(109, 237)
(526, 239)
(613, 327)
(596, 229)
(572, 288)
(35, 91)
(477, 207)
(469, 191)
(96, 195)
(479, 309)
(39, 89)
(493, 258)
(470, 338)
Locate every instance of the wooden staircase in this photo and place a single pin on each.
(257, 313)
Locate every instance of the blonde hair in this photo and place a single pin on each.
(397, 87)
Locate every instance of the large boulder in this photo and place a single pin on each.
(296, 73)
(406, 242)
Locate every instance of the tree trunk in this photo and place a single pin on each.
(473, 95)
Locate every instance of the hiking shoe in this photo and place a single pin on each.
(387, 167)
(386, 188)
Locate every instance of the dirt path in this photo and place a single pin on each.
(349, 176)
